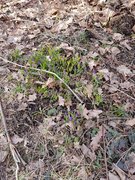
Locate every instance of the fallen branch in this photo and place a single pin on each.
(15, 154)
(46, 71)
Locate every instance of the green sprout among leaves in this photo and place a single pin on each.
(15, 55)
(118, 111)
(97, 80)
(52, 60)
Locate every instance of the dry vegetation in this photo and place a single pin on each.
(67, 90)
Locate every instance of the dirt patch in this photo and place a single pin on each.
(122, 23)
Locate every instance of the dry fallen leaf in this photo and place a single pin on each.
(113, 176)
(50, 83)
(96, 140)
(133, 28)
(32, 97)
(122, 69)
(89, 124)
(61, 101)
(3, 142)
(53, 12)
(62, 25)
(4, 71)
(130, 162)
(34, 165)
(89, 114)
(106, 74)
(3, 155)
(92, 54)
(66, 47)
(89, 90)
(130, 122)
(94, 113)
(92, 64)
(16, 139)
(20, 96)
(126, 85)
(102, 51)
(117, 36)
(120, 173)
(22, 106)
(3, 148)
(46, 125)
(87, 152)
(115, 51)
(125, 43)
(85, 112)
(75, 160)
(82, 174)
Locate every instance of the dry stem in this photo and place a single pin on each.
(48, 72)
(15, 154)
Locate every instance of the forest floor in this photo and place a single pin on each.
(67, 89)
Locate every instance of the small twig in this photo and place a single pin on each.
(121, 91)
(48, 72)
(125, 153)
(15, 154)
(105, 158)
(120, 172)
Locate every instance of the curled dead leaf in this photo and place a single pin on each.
(3, 148)
(20, 96)
(117, 36)
(32, 97)
(125, 43)
(87, 152)
(89, 90)
(115, 51)
(66, 47)
(106, 74)
(92, 64)
(96, 140)
(16, 139)
(126, 85)
(61, 101)
(130, 162)
(22, 106)
(82, 173)
(122, 69)
(133, 28)
(121, 174)
(113, 176)
(4, 71)
(3, 155)
(50, 83)
(130, 122)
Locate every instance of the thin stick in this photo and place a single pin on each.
(15, 154)
(121, 91)
(48, 72)
(125, 153)
(105, 158)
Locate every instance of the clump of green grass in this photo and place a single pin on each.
(19, 88)
(51, 59)
(97, 81)
(15, 55)
(55, 63)
(83, 38)
(118, 111)
(97, 164)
